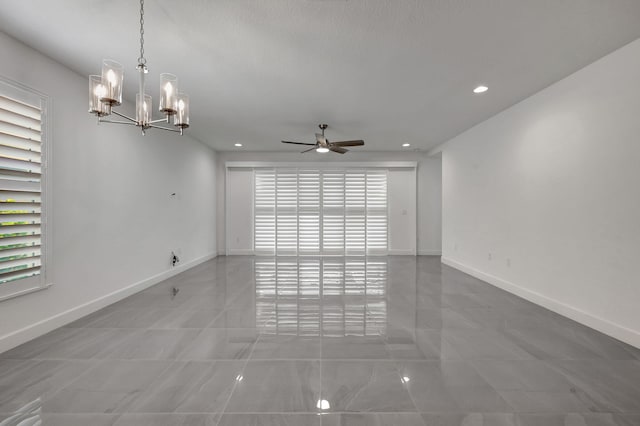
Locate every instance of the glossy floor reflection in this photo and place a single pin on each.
(324, 342)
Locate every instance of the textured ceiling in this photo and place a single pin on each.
(386, 71)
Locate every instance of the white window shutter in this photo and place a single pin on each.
(333, 212)
(265, 212)
(20, 190)
(286, 212)
(377, 215)
(309, 212)
(355, 213)
(320, 212)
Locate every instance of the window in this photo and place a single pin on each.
(320, 212)
(22, 168)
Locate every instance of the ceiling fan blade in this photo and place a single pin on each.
(307, 150)
(299, 143)
(321, 139)
(348, 143)
(338, 149)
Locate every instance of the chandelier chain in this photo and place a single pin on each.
(141, 59)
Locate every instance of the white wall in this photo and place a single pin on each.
(402, 200)
(428, 200)
(430, 205)
(239, 229)
(114, 221)
(550, 188)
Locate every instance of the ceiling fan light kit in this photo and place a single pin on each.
(105, 93)
(323, 145)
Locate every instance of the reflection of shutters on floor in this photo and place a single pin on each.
(330, 296)
(320, 212)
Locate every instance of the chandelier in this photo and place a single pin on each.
(105, 92)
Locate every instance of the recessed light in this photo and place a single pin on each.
(238, 144)
(480, 89)
(406, 144)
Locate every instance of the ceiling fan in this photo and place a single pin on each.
(323, 145)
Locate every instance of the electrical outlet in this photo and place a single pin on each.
(508, 262)
(489, 256)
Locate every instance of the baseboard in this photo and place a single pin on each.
(402, 252)
(244, 252)
(607, 327)
(42, 327)
(240, 252)
(429, 252)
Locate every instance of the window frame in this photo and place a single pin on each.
(28, 95)
(253, 165)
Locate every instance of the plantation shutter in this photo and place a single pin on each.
(309, 212)
(320, 212)
(333, 212)
(355, 212)
(376, 216)
(286, 212)
(265, 212)
(20, 190)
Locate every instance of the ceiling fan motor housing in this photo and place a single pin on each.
(323, 145)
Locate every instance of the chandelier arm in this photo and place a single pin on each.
(116, 122)
(164, 128)
(134, 121)
(160, 120)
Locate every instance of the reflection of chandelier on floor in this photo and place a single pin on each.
(105, 92)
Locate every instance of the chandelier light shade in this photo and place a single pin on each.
(168, 93)
(181, 119)
(97, 92)
(105, 93)
(143, 109)
(112, 78)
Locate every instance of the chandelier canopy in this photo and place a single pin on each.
(105, 93)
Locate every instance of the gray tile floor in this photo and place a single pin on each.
(324, 342)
